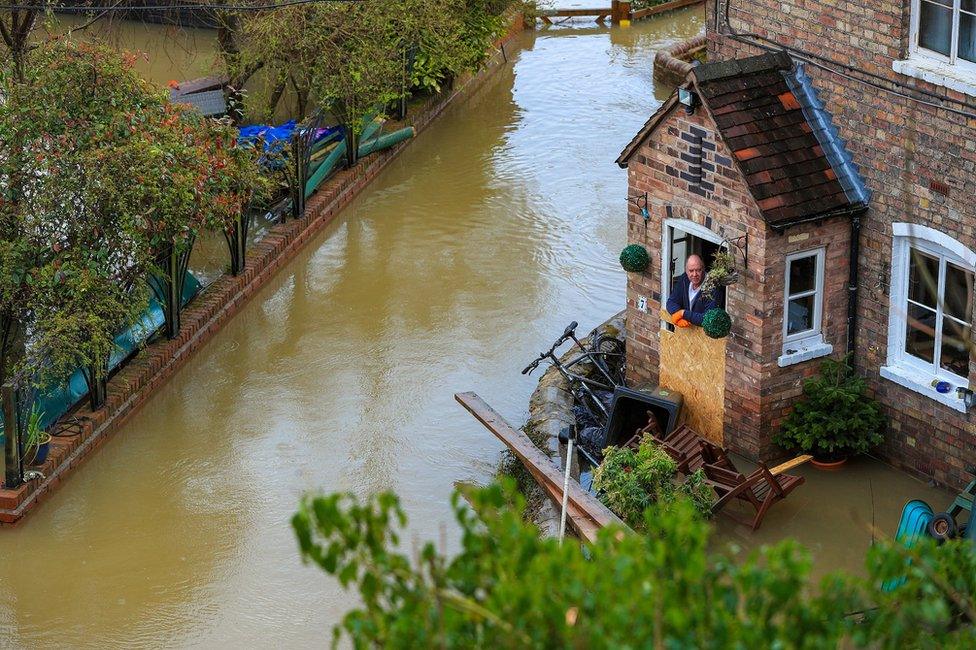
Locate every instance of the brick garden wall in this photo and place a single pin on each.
(135, 383)
(903, 149)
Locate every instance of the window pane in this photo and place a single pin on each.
(968, 5)
(935, 26)
(800, 314)
(920, 333)
(923, 279)
(803, 275)
(959, 293)
(955, 356)
(967, 36)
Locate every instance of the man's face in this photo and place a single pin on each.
(695, 271)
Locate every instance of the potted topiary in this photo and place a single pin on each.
(836, 419)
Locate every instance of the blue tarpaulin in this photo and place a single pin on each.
(275, 137)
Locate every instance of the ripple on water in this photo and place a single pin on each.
(467, 256)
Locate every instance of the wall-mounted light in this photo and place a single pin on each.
(641, 202)
(688, 98)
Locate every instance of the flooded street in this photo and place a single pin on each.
(471, 252)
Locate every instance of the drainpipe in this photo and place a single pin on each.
(852, 284)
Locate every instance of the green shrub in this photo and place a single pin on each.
(836, 418)
(629, 482)
(507, 588)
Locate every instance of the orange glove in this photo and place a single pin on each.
(683, 323)
(677, 316)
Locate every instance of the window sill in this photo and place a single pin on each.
(937, 72)
(913, 381)
(805, 353)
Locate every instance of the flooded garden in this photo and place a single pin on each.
(471, 250)
(450, 271)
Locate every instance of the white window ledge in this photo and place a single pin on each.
(805, 353)
(937, 72)
(913, 381)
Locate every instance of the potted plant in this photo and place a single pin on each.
(37, 441)
(629, 481)
(836, 419)
(722, 273)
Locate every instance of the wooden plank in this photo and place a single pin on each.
(660, 9)
(534, 458)
(584, 526)
(694, 365)
(790, 464)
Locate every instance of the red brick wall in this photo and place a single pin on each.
(781, 386)
(901, 146)
(757, 391)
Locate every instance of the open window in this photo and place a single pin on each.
(683, 238)
(931, 314)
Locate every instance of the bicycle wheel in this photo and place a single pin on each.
(608, 355)
(591, 406)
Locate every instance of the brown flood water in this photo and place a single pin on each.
(498, 226)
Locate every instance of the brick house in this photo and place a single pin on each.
(821, 133)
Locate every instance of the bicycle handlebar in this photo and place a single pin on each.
(567, 333)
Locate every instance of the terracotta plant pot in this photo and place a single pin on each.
(826, 464)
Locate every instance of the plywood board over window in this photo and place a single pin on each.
(694, 365)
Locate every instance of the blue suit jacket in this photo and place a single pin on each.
(678, 299)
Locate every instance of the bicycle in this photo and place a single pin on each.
(606, 356)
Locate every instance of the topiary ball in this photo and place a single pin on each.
(717, 323)
(635, 258)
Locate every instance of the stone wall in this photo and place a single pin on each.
(919, 162)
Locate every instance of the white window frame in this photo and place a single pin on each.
(953, 59)
(691, 228)
(808, 344)
(901, 367)
(934, 67)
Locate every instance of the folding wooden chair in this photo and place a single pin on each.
(761, 489)
(683, 445)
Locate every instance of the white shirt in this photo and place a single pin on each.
(692, 294)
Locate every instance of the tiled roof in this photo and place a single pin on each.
(771, 120)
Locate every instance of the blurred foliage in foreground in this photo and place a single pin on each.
(508, 588)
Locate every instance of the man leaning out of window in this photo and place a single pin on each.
(686, 302)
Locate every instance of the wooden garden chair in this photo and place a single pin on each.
(686, 447)
(761, 489)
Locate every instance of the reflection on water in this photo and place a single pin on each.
(165, 53)
(494, 229)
